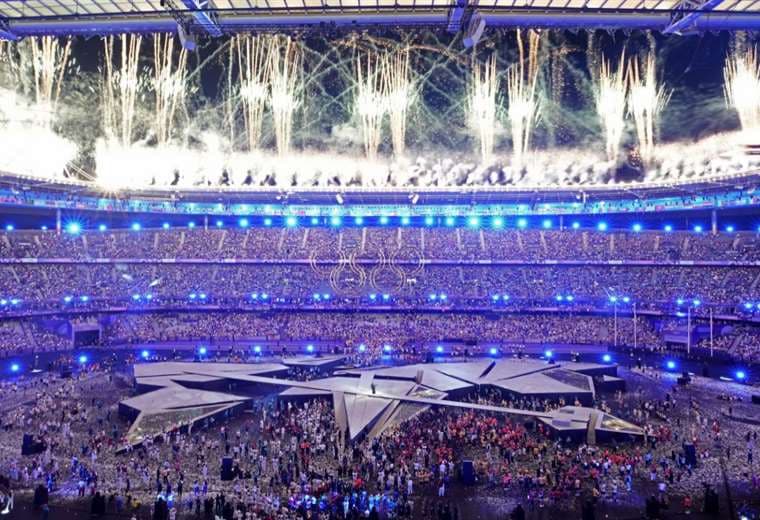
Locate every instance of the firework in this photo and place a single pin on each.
(742, 88)
(482, 105)
(400, 95)
(121, 85)
(610, 98)
(522, 80)
(169, 77)
(50, 58)
(371, 101)
(286, 66)
(254, 60)
(646, 100)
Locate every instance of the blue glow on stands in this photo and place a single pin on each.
(497, 223)
(219, 223)
(384, 220)
(73, 228)
(193, 296)
(243, 223)
(473, 222)
(84, 298)
(67, 299)
(405, 221)
(546, 224)
(202, 351)
(309, 348)
(730, 229)
(602, 226)
(257, 349)
(135, 297)
(291, 222)
(267, 221)
(102, 228)
(670, 364)
(82, 359)
(606, 358)
(698, 228)
(148, 296)
(264, 296)
(493, 351)
(559, 298)
(335, 221)
(429, 221)
(613, 299)
(442, 296)
(522, 223)
(626, 299)
(741, 375)
(668, 228)
(362, 347)
(450, 221)
(145, 354)
(314, 221)
(386, 297)
(433, 297)
(548, 354)
(9, 227)
(358, 221)
(191, 224)
(373, 296)
(387, 348)
(637, 228)
(696, 303)
(165, 225)
(15, 367)
(679, 301)
(439, 349)
(136, 226)
(576, 225)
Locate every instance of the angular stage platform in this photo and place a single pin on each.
(368, 401)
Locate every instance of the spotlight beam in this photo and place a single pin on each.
(684, 17)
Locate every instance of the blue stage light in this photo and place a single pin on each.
(576, 225)
(314, 221)
(384, 220)
(9, 227)
(191, 224)
(626, 299)
(546, 224)
(493, 351)
(679, 301)
(668, 228)
(44, 228)
(165, 225)
(698, 228)
(202, 296)
(559, 298)
(405, 221)
(495, 297)
(497, 222)
(310, 348)
(325, 296)
(637, 228)
(386, 297)
(193, 296)
(730, 229)
(136, 226)
(606, 358)
(102, 228)
(243, 223)
(442, 296)
(202, 351)
(254, 296)
(73, 228)
(82, 359)
(505, 297)
(473, 222)
(219, 223)
(135, 297)
(450, 221)
(748, 306)
(84, 298)
(373, 296)
(264, 296)
(257, 349)
(315, 296)
(429, 221)
(602, 226)
(291, 222)
(569, 297)
(670, 364)
(548, 354)
(358, 221)
(267, 221)
(362, 347)
(67, 299)
(439, 349)
(3, 302)
(335, 221)
(145, 354)
(15, 367)
(522, 223)
(387, 348)
(148, 296)
(613, 299)
(741, 375)
(696, 303)
(433, 296)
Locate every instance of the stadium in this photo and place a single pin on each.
(346, 259)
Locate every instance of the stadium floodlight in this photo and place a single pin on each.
(637, 228)
(522, 223)
(358, 221)
(668, 228)
(268, 222)
(439, 349)
(602, 226)
(576, 225)
(741, 375)
(291, 222)
(73, 228)
(429, 221)
(497, 223)
(606, 358)
(136, 226)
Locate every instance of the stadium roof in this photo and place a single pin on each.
(19, 18)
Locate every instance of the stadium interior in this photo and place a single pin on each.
(346, 259)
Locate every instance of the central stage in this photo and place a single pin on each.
(368, 401)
